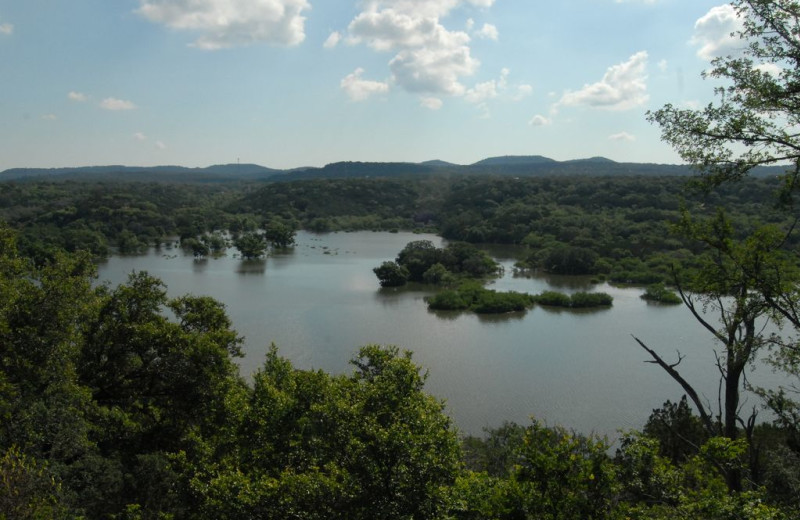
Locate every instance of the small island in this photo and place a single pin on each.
(461, 268)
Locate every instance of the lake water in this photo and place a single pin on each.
(321, 301)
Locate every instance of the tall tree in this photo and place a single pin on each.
(753, 122)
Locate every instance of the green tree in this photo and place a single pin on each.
(417, 257)
(390, 274)
(752, 123)
(251, 244)
(279, 234)
(369, 445)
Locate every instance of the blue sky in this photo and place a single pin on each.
(288, 83)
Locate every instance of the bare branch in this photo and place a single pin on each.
(708, 423)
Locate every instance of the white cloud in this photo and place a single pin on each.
(540, 120)
(523, 91)
(360, 89)
(431, 103)
(333, 40)
(487, 32)
(770, 68)
(622, 136)
(663, 65)
(231, 23)
(7, 29)
(481, 92)
(139, 136)
(713, 33)
(429, 58)
(624, 86)
(77, 96)
(116, 104)
(49, 117)
(160, 145)
(433, 70)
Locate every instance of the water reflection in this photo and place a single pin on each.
(579, 311)
(199, 265)
(501, 318)
(252, 266)
(445, 315)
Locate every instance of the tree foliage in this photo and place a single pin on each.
(749, 280)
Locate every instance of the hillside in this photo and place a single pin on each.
(509, 165)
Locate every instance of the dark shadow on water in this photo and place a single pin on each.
(567, 310)
(282, 258)
(501, 318)
(391, 296)
(446, 315)
(252, 266)
(558, 281)
(199, 265)
(483, 318)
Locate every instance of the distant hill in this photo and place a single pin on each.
(436, 163)
(215, 173)
(592, 160)
(515, 160)
(509, 165)
(348, 169)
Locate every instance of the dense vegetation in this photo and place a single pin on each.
(420, 261)
(113, 410)
(618, 228)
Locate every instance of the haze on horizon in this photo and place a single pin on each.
(289, 83)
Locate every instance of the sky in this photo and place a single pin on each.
(292, 83)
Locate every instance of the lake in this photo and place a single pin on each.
(320, 301)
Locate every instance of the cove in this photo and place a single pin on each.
(320, 301)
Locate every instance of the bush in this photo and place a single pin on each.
(493, 302)
(553, 299)
(390, 274)
(657, 292)
(582, 300)
(448, 300)
(579, 300)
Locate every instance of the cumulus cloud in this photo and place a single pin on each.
(431, 103)
(663, 65)
(713, 33)
(523, 91)
(360, 89)
(624, 86)
(49, 117)
(428, 57)
(333, 40)
(7, 29)
(487, 32)
(160, 145)
(76, 96)
(622, 136)
(139, 136)
(433, 70)
(540, 120)
(481, 92)
(231, 23)
(116, 104)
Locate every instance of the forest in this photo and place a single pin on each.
(124, 403)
